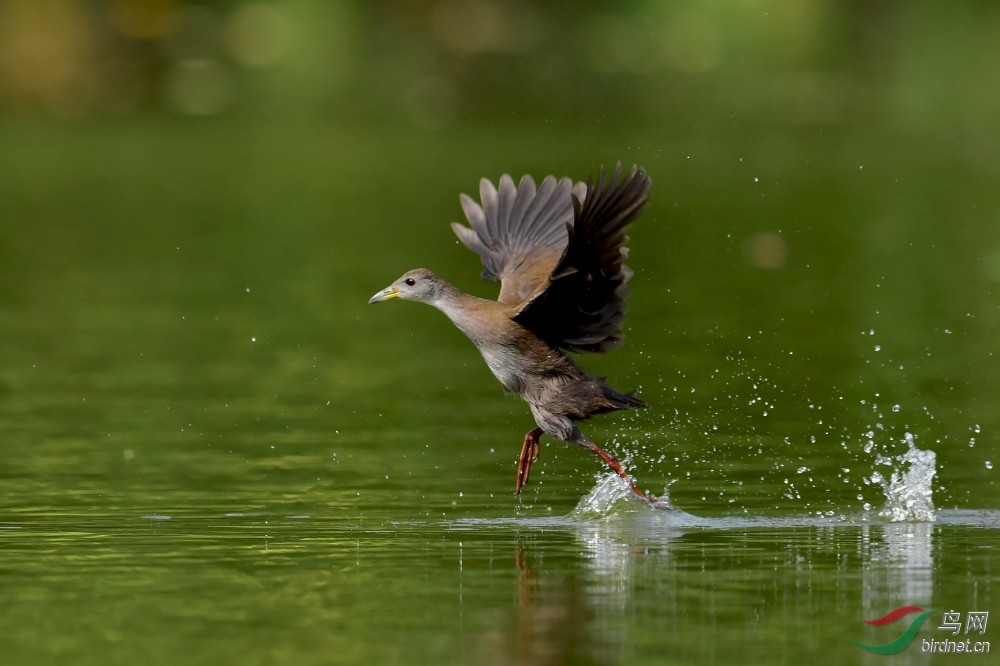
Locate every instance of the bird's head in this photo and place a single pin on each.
(417, 285)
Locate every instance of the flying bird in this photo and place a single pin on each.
(558, 251)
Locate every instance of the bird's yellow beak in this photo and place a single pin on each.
(386, 294)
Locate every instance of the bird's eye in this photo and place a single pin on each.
(410, 282)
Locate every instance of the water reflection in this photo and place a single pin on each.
(553, 619)
(897, 566)
(724, 587)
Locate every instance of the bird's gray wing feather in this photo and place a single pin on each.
(520, 232)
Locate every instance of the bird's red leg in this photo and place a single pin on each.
(529, 454)
(613, 463)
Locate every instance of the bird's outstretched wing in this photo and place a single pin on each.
(520, 232)
(583, 305)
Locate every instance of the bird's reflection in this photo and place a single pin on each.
(552, 622)
(564, 613)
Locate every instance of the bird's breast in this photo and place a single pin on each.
(502, 362)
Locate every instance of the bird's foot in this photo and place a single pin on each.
(529, 454)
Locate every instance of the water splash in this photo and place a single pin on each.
(610, 496)
(908, 493)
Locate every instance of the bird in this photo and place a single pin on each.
(558, 250)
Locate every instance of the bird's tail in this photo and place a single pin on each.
(618, 400)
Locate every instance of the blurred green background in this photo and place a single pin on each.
(434, 65)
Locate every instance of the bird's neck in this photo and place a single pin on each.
(474, 316)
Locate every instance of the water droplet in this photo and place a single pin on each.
(896, 408)
(989, 464)
(878, 347)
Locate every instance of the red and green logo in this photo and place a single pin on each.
(905, 638)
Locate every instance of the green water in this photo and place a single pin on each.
(214, 451)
